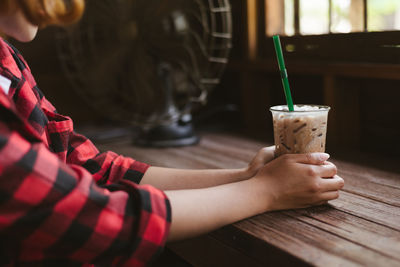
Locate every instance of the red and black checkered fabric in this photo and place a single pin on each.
(62, 203)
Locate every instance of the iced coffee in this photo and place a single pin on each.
(300, 131)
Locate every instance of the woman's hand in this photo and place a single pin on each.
(263, 156)
(298, 181)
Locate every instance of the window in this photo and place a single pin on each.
(383, 15)
(324, 31)
(314, 17)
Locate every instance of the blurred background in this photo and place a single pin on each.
(341, 53)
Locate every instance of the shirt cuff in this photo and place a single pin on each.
(136, 172)
(153, 226)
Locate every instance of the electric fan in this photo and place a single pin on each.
(148, 62)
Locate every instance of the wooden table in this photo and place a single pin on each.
(361, 228)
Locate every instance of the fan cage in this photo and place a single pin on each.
(193, 57)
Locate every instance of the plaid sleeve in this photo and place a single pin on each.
(73, 148)
(53, 213)
(107, 167)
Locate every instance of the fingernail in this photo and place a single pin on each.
(323, 156)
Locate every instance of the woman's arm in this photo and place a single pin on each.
(175, 179)
(57, 210)
(292, 181)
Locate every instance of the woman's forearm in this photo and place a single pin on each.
(177, 179)
(198, 211)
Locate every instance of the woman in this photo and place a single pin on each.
(63, 202)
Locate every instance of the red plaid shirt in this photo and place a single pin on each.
(61, 201)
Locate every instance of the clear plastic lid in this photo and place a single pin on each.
(300, 108)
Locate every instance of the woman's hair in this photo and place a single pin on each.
(46, 12)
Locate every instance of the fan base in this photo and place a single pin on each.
(174, 135)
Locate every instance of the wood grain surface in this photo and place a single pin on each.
(361, 228)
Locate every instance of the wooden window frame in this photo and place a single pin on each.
(334, 48)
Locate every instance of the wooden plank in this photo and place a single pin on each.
(234, 149)
(375, 236)
(206, 251)
(169, 157)
(368, 209)
(245, 144)
(208, 158)
(371, 174)
(256, 248)
(198, 157)
(313, 244)
(280, 231)
(371, 190)
(382, 186)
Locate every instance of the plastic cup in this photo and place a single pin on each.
(300, 131)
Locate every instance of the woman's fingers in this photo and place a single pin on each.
(327, 170)
(329, 195)
(267, 154)
(331, 184)
(263, 156)
(328, 189)
(309, 158)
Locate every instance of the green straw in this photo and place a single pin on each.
(284, 75)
